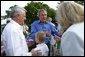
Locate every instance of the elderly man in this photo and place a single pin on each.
(13, 38)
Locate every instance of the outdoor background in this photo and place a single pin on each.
(32, 8)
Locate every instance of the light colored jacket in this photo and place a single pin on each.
(72, 41)
(14, 40)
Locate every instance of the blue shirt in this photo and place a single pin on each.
(39, 26)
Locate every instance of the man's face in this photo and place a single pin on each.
(43, 16)
(22, 18)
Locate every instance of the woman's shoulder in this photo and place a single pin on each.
(77, 29)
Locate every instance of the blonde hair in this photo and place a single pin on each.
(70, 13)
(40, 36)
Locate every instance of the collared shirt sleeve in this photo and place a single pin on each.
(33, 30)
(72, 44)
(54, 31)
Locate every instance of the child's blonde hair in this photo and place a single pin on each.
(40, 36)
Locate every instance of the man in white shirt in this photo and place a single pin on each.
(13, 39)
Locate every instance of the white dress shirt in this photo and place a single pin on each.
(72, 42)
(14, 40)
(43, 49)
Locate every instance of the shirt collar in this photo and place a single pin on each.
(41, 22)
(40, 44)
(18, 25)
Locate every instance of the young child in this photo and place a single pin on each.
(40, 43)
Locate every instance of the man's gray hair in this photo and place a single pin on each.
(17, 10)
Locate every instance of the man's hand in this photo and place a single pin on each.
(48, 33)
(36, 53)
(57, 38)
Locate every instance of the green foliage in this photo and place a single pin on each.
(32, 9)
(80, 2)
(8, 12)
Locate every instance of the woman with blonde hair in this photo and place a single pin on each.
(72, 22)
